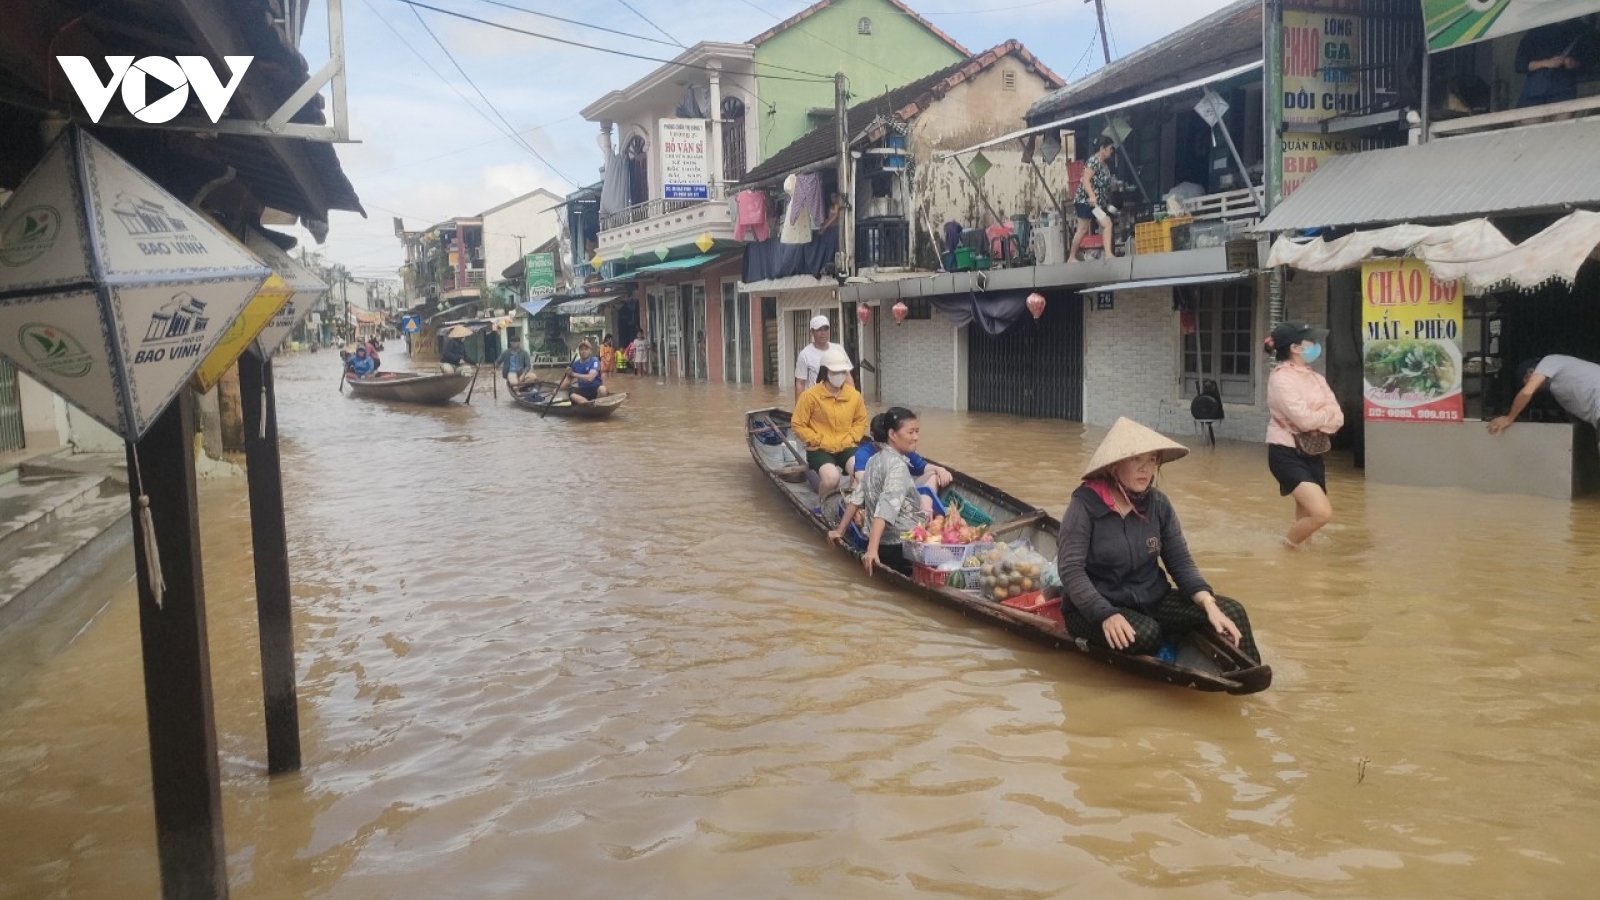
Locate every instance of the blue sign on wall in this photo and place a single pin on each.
(411, 325)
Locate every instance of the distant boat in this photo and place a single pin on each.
(409, 387)
(1204, 662)
(536, 397)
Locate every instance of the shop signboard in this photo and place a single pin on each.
(1320, 53)
(1411, 343)
(114, 291)
(307, 289)
(685, 166)
(540, 271)
(1305, 152)
(1452, 23)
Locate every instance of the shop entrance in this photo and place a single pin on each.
(1034, 369)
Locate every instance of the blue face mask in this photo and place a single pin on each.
(1311, 353)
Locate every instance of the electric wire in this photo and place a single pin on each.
(652, 24)
(580, 23)
(489, 103)
(814, 76)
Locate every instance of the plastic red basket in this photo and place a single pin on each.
(1034, 602)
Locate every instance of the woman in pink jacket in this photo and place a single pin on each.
(1300, 403)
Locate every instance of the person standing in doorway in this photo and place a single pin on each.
(1574, 382)
(809, 362)
(1303, 412)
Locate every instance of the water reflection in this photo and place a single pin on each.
(601, 659)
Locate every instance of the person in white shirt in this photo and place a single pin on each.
(810, 358)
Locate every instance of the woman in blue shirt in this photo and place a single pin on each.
(927, 475)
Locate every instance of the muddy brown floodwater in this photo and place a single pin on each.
(598, 660)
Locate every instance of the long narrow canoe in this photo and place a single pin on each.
(1204, 662)
(409, 387)
(536, 397)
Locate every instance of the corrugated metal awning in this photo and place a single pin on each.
(1216, 278)
(1531, 169)
(789, 283)
(587, 306)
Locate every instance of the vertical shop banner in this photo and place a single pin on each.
(1452, 23)
(1411, 343)
(685, 167)
(540, 273)
(1304, 153)
(1320, 53)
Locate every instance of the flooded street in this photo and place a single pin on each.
(559, 658)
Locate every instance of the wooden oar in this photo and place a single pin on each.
(1023, 521)
(782, 440)
(552, 400)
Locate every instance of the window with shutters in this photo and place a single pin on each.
(864, 26)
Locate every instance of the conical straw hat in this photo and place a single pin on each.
(1128, 438)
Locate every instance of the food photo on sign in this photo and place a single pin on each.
(1411, 364)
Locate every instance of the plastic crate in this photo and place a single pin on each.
(936, 555)
(971, 514)
(1156, 237)
(952, 578)
(1034, 602)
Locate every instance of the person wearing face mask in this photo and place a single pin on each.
(1303, 412)
(888, 492)
(1121, 549)
(808, 363)
(830, 417)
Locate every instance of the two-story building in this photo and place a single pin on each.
(674, 141)
(1138, 332)
(1453, 228)
(898, 194)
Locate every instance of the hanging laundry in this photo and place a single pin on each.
(751, 224)
(952, 235)
(807, 198)
(797, 220)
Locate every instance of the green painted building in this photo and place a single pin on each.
(877, 44)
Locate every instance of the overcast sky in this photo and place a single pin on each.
(426, 155)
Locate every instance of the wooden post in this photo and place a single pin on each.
(185, 777)
(270, 540)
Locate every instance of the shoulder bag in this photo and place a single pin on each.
(1312, 443)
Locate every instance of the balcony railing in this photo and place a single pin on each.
(882, 243)
(650, 209)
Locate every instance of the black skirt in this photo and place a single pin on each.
(1293, 468)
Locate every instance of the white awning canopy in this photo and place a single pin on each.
(1194, 85)
(1474, 252)
(1215, 278)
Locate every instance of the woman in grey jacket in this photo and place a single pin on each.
(1116, 535)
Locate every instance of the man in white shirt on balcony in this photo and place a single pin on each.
(810, 358)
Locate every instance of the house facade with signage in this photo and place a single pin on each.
(515, 228)
(1459, 157)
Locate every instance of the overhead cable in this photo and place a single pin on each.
(518, 137)
(581, 24)
(813, 76)
(652, 24)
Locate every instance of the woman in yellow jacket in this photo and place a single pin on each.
(830, 417)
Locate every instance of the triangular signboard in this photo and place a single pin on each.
(306, 286)
(101, 266)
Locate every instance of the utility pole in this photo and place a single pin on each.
(1100, 13)
(842, 126)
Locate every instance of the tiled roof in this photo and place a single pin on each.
(815, 8)
(904, 103)
(1226, 38)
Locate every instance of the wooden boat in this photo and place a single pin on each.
(1204, 662)
(409, 387)
(535, 396)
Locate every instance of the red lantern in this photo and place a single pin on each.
(1036, 305)
(900, 311)
(864, 313)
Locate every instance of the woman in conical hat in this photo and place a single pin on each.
(1121, 549)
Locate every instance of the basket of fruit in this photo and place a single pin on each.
(1006, 572)
(945, 542)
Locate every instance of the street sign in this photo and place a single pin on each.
(411, 325)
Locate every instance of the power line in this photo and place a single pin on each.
(655, 59)
(652, 24)
(487, 102)
(582, 24)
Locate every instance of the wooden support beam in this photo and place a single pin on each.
(270, 538)
(185, 776)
